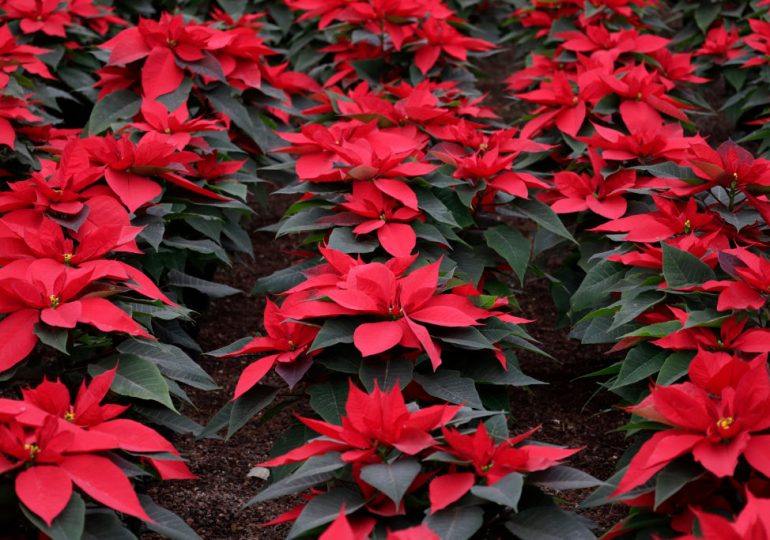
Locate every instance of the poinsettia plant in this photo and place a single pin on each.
(56, 455)
(387, 466)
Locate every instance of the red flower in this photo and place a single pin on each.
(721, 43)
(13, 55)
(670, 219)
(729, 166)
(405, 304)
(373, 211)
(128, 167)
(291, 341)
(753, 522)
(716, 430)
(753, 279)
(441, 36)
(165, 44)
(43, 290)
(39, 16)
(47, 241)
(372, 420)
(731, 337)
(492, 460)
(561, 104)
(175, 127)
(580, 192)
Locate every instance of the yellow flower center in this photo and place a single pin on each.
(574, 100)
(172, 42)
(483, 146)
(167, 131)
(69, 416)
(687, 226)
(67, 258)
(487, 467)
(33, 450)
(725, 423)
(639, 96)
(54, 300)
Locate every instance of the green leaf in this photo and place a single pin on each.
(136, 378)
(342, 239)
(705, 14)
(106, 526)
(674, 367)
(548, 523)
(314, 471)
(505, 492)
(386, 373)
(68, 525)
(673, 478)
(284, 279)
(465, 338)
(172, 361)
(248, 405)
(118, 105)
(597, 286)
(166, 522)
(456, 523)
(640, 362)
(324, 509)
(333, 332)
(489, 371)
(434, 207)
(683, 269)
(328, 400)
(52, 336)
(511, 245)
(563, 477)
(209, 288)
(392, 479)
(449, 385)
(543, 215)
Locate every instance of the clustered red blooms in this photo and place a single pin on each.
(614, 95)
(379, 424)
(54, 444)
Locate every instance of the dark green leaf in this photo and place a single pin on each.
(451, 386)
(118, 105)
(548, 523)
(328, 399)
(324, 509)
(505, 492)
(392, 479)
(385, 372)
(511, 245)
(683, 269)
(68, 525)
(456, 523)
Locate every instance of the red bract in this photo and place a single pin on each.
(371, 421)
(46, 16)
(163, 43)
(729, 166)
(562, 105)
(731, 337)
(13, 56)
(716, 430)
(753, 522)
(406, 304)
(359, 529)
(53, 398)
(598, 38)
(47, 241)
(722, 44)
(753, 280)
(175, 128)
(370, 211)
(493, 460)
(670, 219)
(128, 168)
(291, 341)
(441, 36)
(44, 290)
(580, 192)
